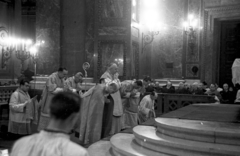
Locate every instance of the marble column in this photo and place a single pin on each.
(48, 29)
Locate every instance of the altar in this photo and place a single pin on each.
(39, 82)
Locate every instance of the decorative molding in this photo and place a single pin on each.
(99, 62)
(3, 34)
(135, 32)
(114, 30)
(89, 35)
(192, 70)
(211, 51)
(230, 8)
(136, 59)
(137, 11)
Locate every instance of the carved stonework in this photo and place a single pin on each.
(112, 31)
(210, 56)
(112, 52)
(192, 70)
(135, 62)
(135, 32)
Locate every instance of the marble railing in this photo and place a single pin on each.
(170, 102)
(5, 93)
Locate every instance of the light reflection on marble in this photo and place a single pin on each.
(48, 29)
(168, 45)
(89, 38)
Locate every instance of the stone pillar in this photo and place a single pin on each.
(72, 35)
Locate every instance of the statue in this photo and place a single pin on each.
(85, 67)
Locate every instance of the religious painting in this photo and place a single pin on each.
(111, 52)
(113, 8)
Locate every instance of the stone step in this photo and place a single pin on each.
(148, 137)
(125, 145)
(205, 131)
(100, 148)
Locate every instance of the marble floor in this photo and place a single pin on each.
(6, 142)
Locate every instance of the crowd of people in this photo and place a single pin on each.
(105, 109)
(227, 94)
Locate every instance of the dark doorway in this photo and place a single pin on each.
(229, 49)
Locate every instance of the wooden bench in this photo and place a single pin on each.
(170, 102)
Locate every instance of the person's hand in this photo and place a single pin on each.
(74, 90)
(132, 94)
(116, 76)
(26, 102)
(30, 100)
(151, 114)
(34, 98)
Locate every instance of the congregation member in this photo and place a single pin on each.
(200, 89)
(213, 92)
(94, 122)
(19, 123)
(55, 139)
(227, 95)
(130, 99)
(182, 89)
(146, 108)
(74, 83)
(194, 88)
(117, 119)
(168, 88)
(54, 84)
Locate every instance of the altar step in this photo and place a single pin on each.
(148, 137)
(121, 144)
(204, 131)
(174, 137)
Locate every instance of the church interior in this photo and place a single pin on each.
(186, 43)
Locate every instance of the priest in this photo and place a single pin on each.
(94, 122)
(117, 116)
(54, 85)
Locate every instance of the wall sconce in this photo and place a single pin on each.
(148, 38)
(190, 28)
(24, 49)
